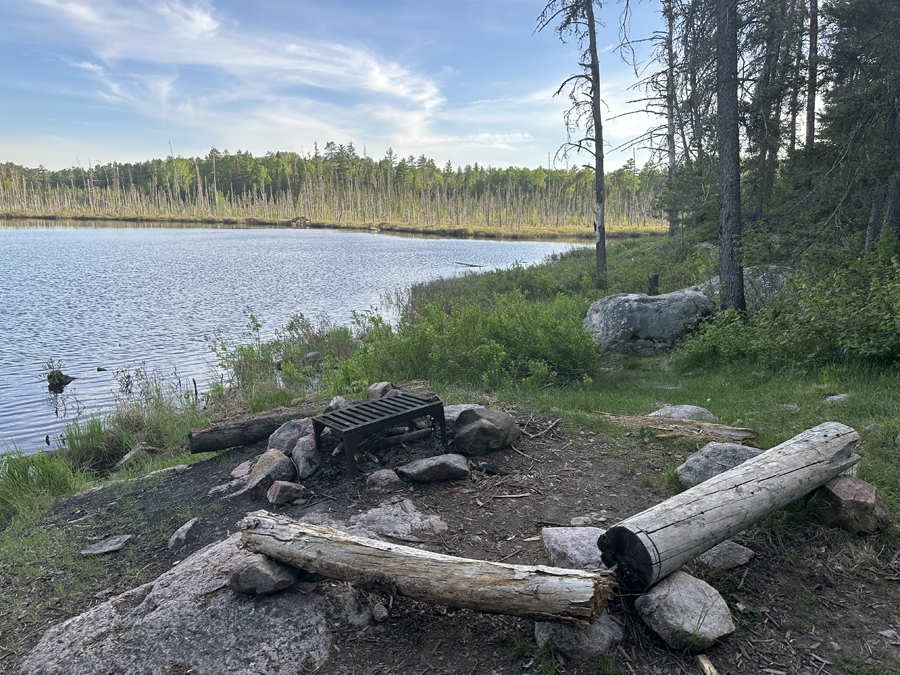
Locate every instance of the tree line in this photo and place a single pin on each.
(336, 184)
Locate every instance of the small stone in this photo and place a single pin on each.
(793, 407)
(243, 469)
(577, 643)
(272, 466)
(580, 521)
(226, 487)
(261, 575)
(180, 536)
(107, 545)
(711, 460)
(685, 612)
(573, 547)
(382, 479)
(727, 555)
(378, 390)
(283, 491)
(837, 398)
(379, 612)
(305, 456)
(435, 469)
(337, 403)
(852, 504)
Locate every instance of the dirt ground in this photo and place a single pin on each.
(813, 601)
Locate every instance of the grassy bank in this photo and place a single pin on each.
(473, 230)
(514, 337)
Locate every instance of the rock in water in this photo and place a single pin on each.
(57, 381)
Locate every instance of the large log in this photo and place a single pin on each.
(654, 543)
(247, 429)
(537, 592)
(689, 428)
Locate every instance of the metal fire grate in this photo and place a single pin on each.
(362, 419)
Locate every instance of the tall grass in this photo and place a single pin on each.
(29, 483)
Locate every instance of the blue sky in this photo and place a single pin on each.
(119, 80)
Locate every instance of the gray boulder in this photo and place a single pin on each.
(436, 469)
(283, 491)
(760, 283)
(181, 535)
(481, 430)
(687, 613)
(305, 456)
(711, 460)
(271, 466)
(578, 643)
(337, 403)
(285, 437)
(686, 412)
(188, 620)
(644, 322)
(573, 547)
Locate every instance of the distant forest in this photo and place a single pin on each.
(335, 185)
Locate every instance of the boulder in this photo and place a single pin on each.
(379, 389)
(686, 412)
(760, 283)
(711, 460)
(271, 466)
(573, 547)
(285, 437)
(305, 456)
(261, 575)
(727, 556)
(852, 504)
(397, 517)
(188, 621)
(481, 430)
(578, 643)
(687, 613)
(436, 469)
(452, 412)
(644, 322)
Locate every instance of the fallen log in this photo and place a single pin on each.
(654, 543)
(533, 591)
(247, 429)
(690, 428)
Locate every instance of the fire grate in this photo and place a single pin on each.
(362, 419)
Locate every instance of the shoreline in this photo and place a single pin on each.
(499, 234)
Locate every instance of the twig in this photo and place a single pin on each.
(541, 433)
(507, 557)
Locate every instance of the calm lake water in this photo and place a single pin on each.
(91, 295)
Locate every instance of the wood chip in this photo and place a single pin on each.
(706, 665)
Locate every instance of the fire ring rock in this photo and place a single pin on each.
(482, 430)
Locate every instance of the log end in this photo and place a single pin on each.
(622, 548)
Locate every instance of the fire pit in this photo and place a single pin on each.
(355, 422)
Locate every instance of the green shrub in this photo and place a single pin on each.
(504, 341)
(849, 313)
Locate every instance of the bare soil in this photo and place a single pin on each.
(813, 601)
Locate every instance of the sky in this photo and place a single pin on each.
(99, 81)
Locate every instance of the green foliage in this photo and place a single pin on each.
(493, 340)
(31, 482)
(822, 316)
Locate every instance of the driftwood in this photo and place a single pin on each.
(537, 592)
(690, 428)
(246, 429)
(654, 543)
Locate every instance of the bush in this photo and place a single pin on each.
(850, 313)
(505, 341)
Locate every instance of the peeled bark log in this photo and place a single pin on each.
(537, 592)
(654, 543)
(246, 429)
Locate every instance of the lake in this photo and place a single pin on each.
(112, 296)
